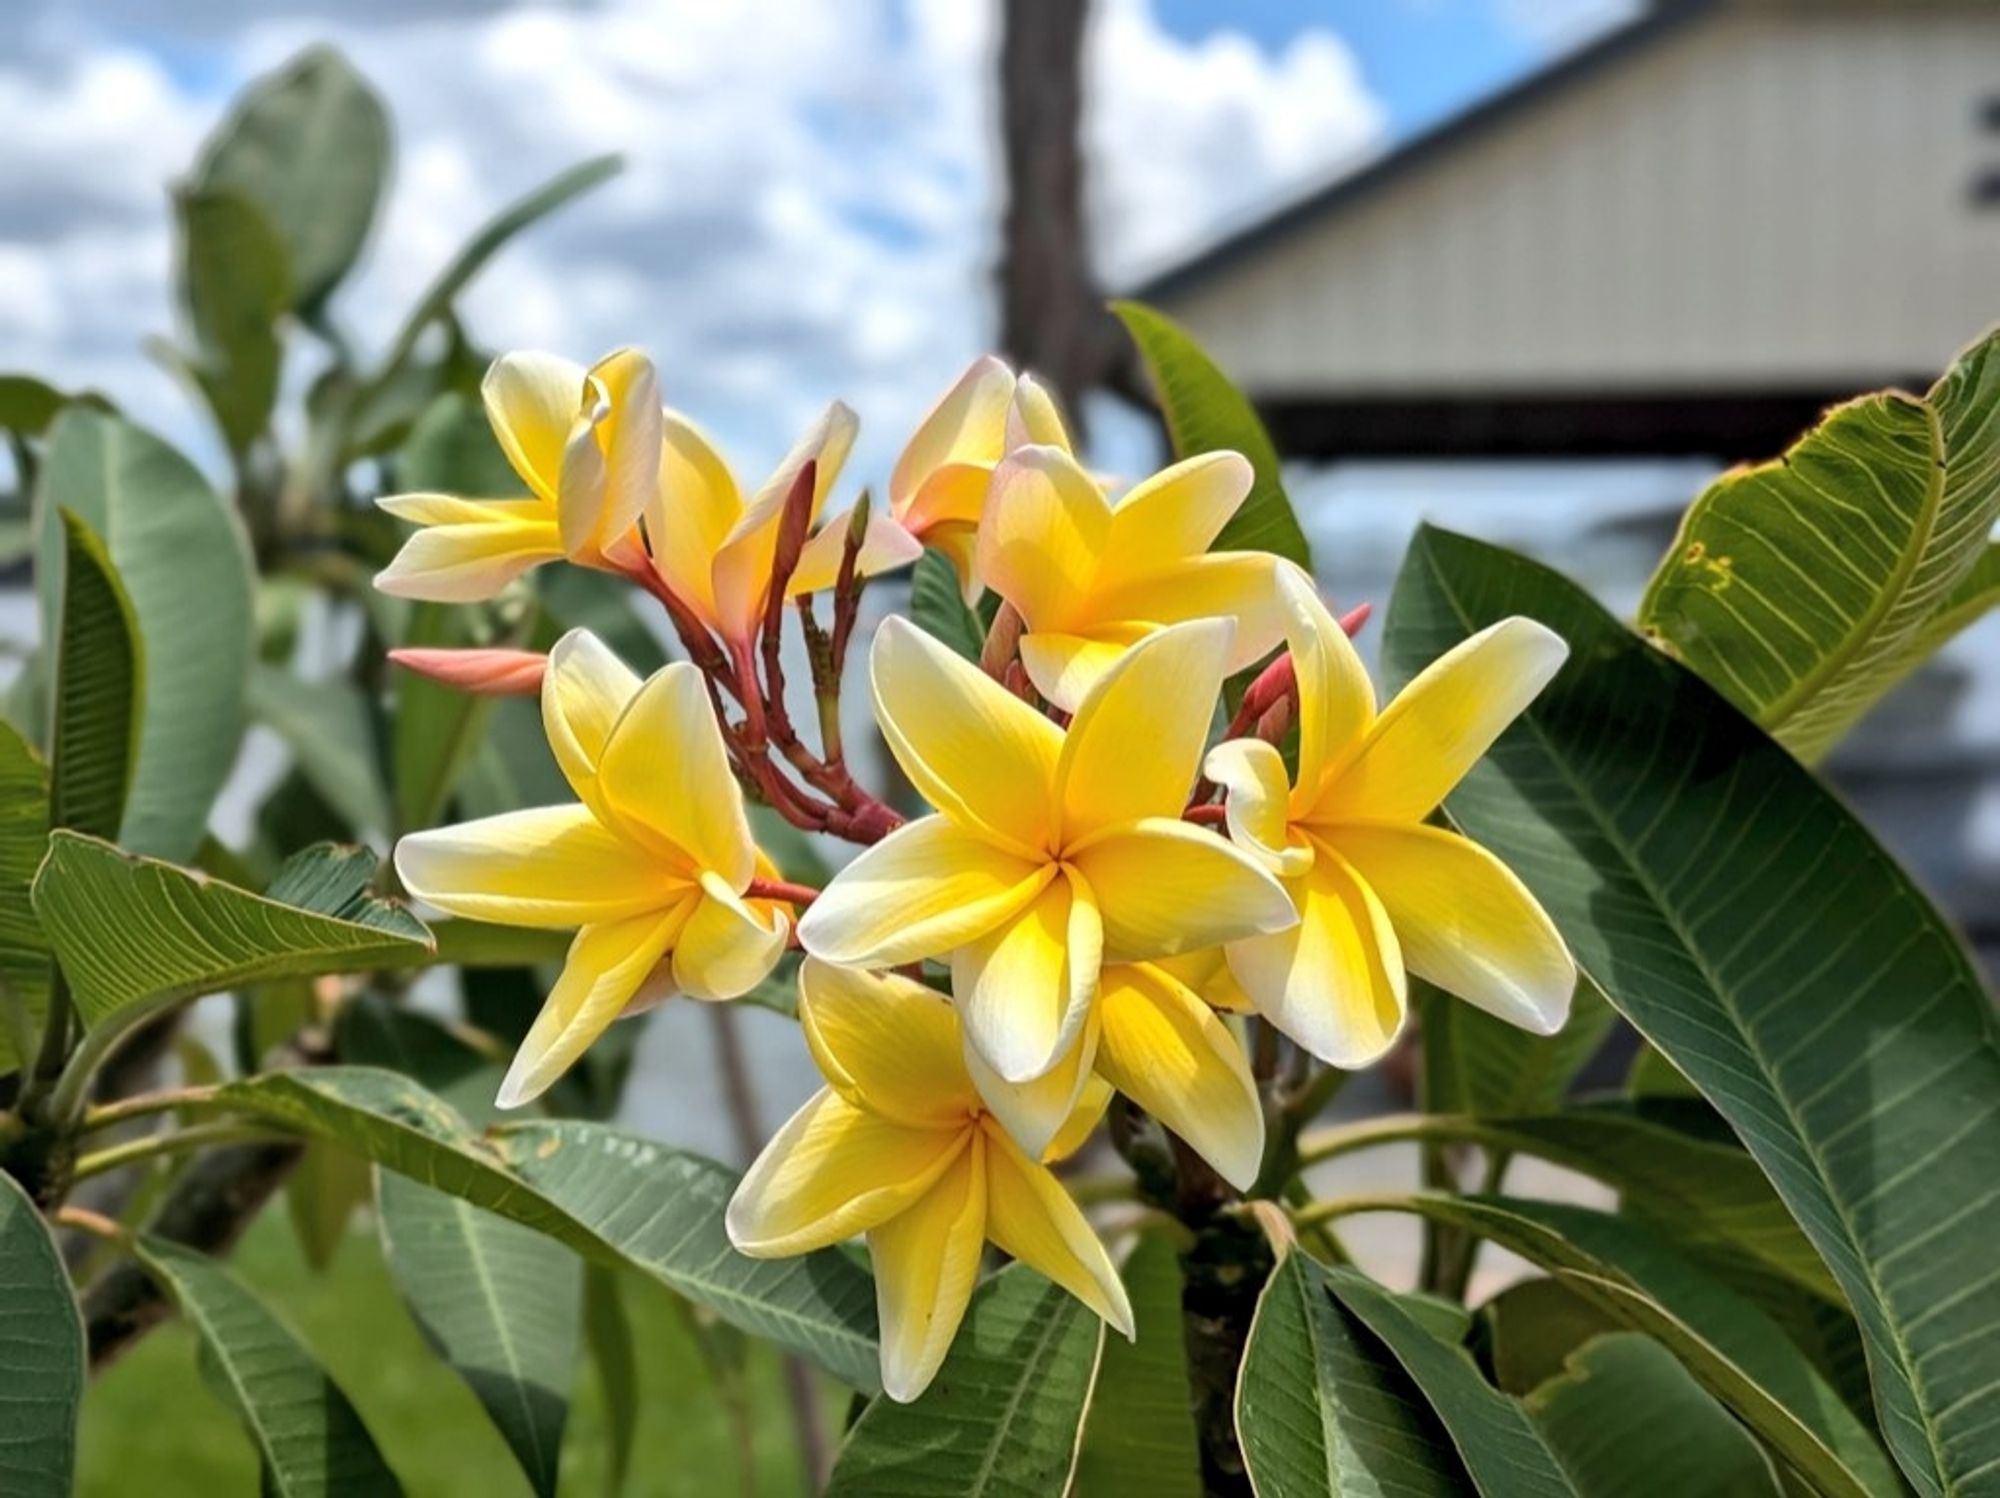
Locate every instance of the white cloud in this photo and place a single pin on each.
(808, 208)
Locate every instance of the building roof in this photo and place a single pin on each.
(1611, 50)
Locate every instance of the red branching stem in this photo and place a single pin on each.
(793, 524)
(1209, 814)
(780, 889)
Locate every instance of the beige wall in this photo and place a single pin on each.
(1766, 195)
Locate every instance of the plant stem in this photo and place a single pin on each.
(145, 1105)
(195, 1136)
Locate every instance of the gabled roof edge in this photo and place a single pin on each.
(1585, 62)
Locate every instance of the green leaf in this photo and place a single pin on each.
(1628, 1422)
(436, 302)
(186, 566)
(309, 145)
(24, 838)
(1205, 412)
(614, 1198)
(937, 604)
(322, 1194)
(608, 1334)
(1140, 1437)
(500, 1303)
(28, 405)
(43, 1335)
(1529, 1329)
(99, 687)
(132, 932)
(235, 284)
(1803, 588)
(1735, 1350)
(1321, 1407)
(1976, 595)
(325, 726)
(580, 598)
(1502, 1450)
(1756, 933)
(1475, 1063)
(1001, 1418)
(310, 1439)
(451, 448)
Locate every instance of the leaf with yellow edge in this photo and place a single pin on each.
(1806, 587)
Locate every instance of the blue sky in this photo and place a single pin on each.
(810, 203)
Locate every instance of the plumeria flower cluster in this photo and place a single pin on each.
(1103, 893)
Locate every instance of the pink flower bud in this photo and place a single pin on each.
(487, 673)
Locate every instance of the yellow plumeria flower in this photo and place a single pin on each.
(652, 865)
(1379, 892)
(586, 443)
(937, 491)
(1090, 575)
(715, 550)
(1052, 854)
(899, 1146)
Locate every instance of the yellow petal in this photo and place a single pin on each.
(729, 946)
(533, 401)
(1135, 746)
(887, 1043)
(885, 546)
(967, 426)
(972, 748)
(1169, 1052)
(959, 541)
(835, 1170)
(551, 866)
(1442, 722)
(1334, 982)
(954, 495)
(611, 461)
(1035, 417)
(1044, 534)
(694, 508)
(743, 564)
(1084, 1116)
(1024, 990)
(468, 549)
(1206, 974)
(926, 1262)
(1466, 923)
(1064, 667)
(584, 691)
(1029, 1215)
(1167, 887)
(1235, 585)
(1176, 514)
(1035, 1112)
(1253, 773)
(1336, 699)
(924, 889)
(665, 776)
(606, 966)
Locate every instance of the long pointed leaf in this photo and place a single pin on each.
(615, 1198)
(1322, 1409)
(1756, 934)
(1003, 1417)
(1500, 1446)
(501, 1304)
(43, 1337)
(99, 688)
(134, 932)
(312, 1443)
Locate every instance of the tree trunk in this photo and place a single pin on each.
(1052, 315)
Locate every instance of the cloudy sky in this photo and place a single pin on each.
(810, 200)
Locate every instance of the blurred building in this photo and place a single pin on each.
(1684, 240)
